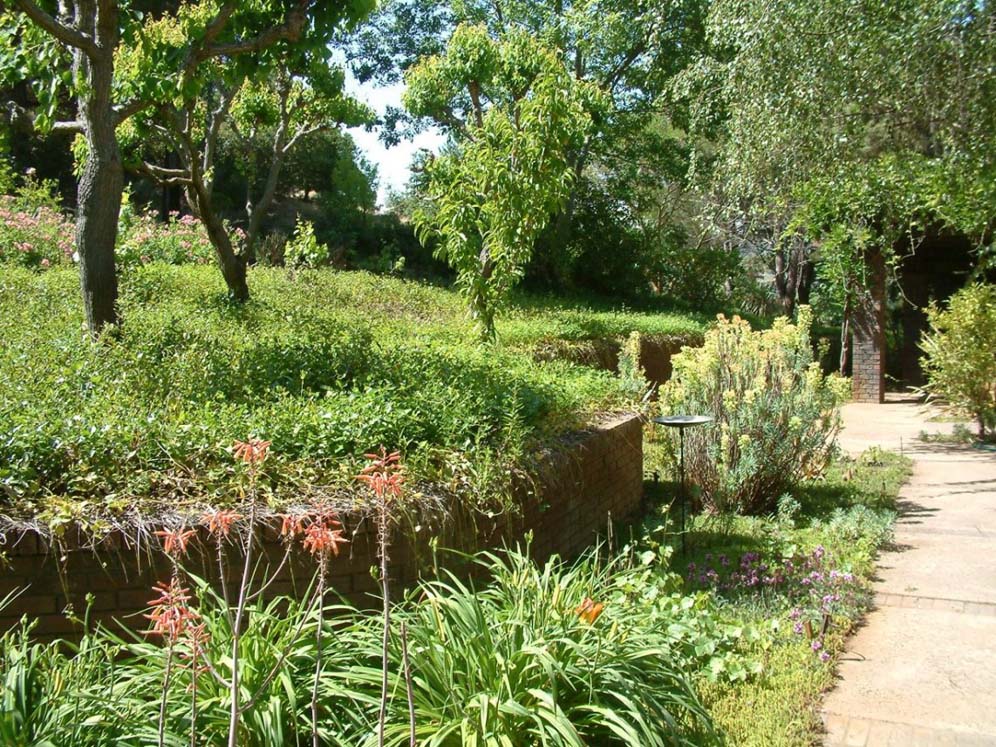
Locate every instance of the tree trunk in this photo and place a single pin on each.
(257, 213)
(807, 275)
(784, 280)
(233, 266)
(102, 181)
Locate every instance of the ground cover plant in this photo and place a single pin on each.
(326, 365)
(800, 574)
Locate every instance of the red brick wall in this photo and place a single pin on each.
(868, 338)
(576, 486)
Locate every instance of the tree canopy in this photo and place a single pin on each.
(516, 114)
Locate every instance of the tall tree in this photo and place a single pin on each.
(515, 114)
(629, 49)
(290, 93)
(88, 32)
(848, 125)
(91, 32)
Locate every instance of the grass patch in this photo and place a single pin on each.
(327, 365)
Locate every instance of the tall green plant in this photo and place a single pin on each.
(776, 415)
(960, 354)
(494, 191)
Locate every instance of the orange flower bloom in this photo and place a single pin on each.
(175, 540)
(220, 521)
(171, 614)
(384, 473)
(252, 451)
(292, 526)
(589, 610)
(321, 538)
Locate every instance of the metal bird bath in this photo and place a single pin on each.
(681, 422)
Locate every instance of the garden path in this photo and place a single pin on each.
(922, 669)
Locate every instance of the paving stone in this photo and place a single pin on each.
(920, 671)
(857, 733)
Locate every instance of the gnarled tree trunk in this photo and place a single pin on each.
(102, 180)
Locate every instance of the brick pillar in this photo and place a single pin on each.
(868, 336)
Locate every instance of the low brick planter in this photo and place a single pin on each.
(576, 485)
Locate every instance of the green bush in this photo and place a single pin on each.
(960, 354)
(303, 249)
(776, 415)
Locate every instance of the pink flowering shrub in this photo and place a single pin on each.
(34, 237)
(41, 236)
(144, 239)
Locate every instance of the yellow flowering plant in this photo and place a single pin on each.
(776, 414)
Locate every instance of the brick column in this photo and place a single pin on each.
(868, 336)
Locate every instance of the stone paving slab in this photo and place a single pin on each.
(921, 670)
(844, 731)
(987, 609)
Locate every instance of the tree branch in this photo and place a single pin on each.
(123, 112)
(290, 29)
(616, 74)
(304, 132)
(56, 28)
(23, 120)
(162, 176)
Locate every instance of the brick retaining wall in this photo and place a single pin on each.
(575, 486)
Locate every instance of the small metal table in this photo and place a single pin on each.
(681, 422)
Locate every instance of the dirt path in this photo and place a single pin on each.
(922, 670)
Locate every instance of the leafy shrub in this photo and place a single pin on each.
(143, 239)
(960, 353)
(776, 415)
(303, 249)
(33, 230)
(693, 274)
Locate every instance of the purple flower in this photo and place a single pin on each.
(817, 644)
(824, 656)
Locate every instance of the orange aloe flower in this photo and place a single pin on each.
(252, 451)
(292, 526)
(384, 473)
(171, 613)
(175, 540)
(219, 521)
(322, 538)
